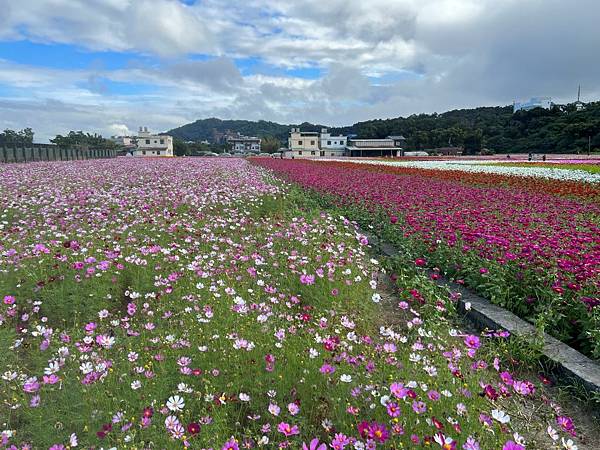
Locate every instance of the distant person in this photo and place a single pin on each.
(508, 156)
(530, 156)
(544, 158)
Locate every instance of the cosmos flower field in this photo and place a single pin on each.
(206, 304)
(528, 243)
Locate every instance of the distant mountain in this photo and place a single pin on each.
(562, 129)
(208, 129)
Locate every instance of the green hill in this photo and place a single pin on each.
(205, 129)
(559, 130)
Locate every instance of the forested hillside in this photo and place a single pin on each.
(560, 130)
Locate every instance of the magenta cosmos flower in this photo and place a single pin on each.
(287, 429)
(314, 445)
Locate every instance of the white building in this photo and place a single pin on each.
(244, 144)
(534, 102)
(332, 145)
(149, 144)
(302, 144)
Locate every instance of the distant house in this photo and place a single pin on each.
(244, 144)
(534, 102)
(331, 145)
(149, 144)
(312, 144)
(390, 146)
(302, 144)
(127, 144)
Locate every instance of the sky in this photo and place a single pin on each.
(110, 66)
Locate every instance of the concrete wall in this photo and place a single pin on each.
(46, 152)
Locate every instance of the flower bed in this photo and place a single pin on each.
(551, 172)
(534, 253)
(199, 304)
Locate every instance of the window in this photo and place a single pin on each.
(143, 152)
(158, 152)
(332, 154)
(299, 142)
(299, 152)
(328, 142)
(155, 141)
(148, 141)
(312, 153)
(322, 153)
(312, 142)
(162, 141)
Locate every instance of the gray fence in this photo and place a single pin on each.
(48, 152)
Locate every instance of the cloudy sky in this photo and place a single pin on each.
(109, 66)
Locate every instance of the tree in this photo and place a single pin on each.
(473, 141)
(80, 139)
(22, 137)
(270, 144)
(180, 148)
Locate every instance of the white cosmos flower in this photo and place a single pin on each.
(552, 433)
(182, 387)
(346, 378)
(135, 385)
(175, 403)
(244, 397)
(569, 444)
(500, 416)
(86, 367)
(376, 297)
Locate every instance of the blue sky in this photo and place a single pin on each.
(109, 66)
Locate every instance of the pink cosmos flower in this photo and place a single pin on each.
(231, 444)
(510, 445)
(9, 300)
(293, 409)
(393, 409)
(327, 368)
(419, 407)
(472, 341)
(307, 279)
(31, 385)
(314, 445)
(287, 429)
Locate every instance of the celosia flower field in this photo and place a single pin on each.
(199, 303)
(535, 253)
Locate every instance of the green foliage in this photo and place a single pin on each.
(12, 137)
(560, 130)
(81, 139)
(270, 144)
(206, 129)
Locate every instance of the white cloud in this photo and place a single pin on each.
(425, 55)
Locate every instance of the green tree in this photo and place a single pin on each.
(473, 141)
(270, 144)
(12, 137)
